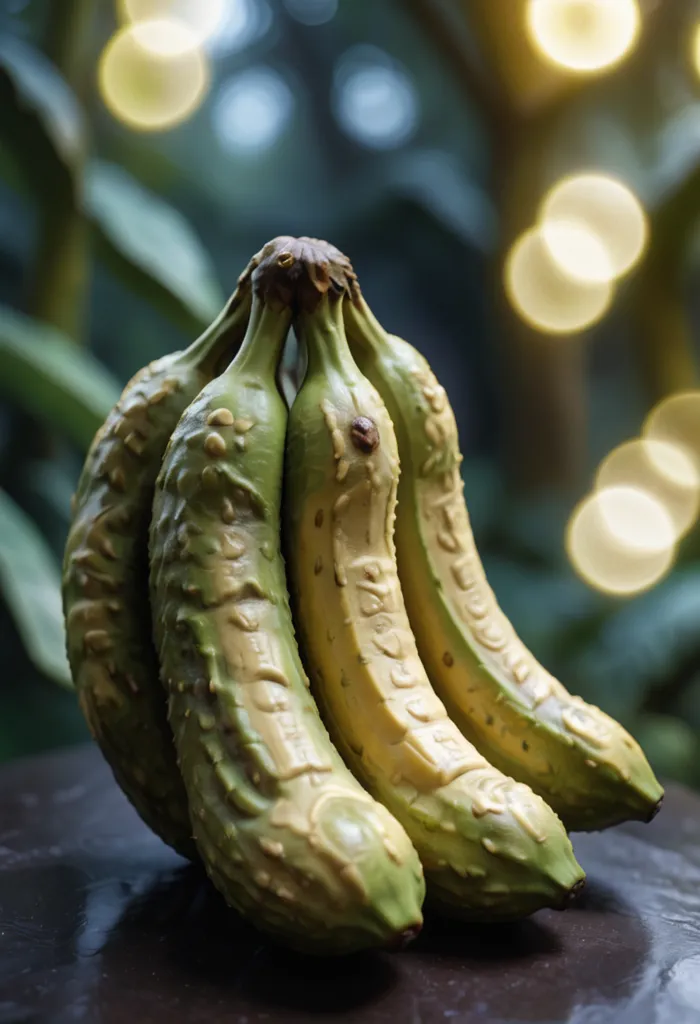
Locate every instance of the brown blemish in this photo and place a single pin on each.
(364, 434)
(447, 659)
(318, 519)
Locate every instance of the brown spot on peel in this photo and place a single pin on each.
(364, 434)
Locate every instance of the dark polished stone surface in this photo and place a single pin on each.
(99, 922)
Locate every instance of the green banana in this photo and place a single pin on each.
(105, 575)
(584, 764)
(285, 832)
(488, 845)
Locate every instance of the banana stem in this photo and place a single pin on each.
(362, 326)
(267, 331)
(323, 333)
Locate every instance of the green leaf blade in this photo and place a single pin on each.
(152, 246)
(47, 375)
(40, 119)
(31, 584)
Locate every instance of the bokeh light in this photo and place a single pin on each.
(164, 38)
(676, 420)
(594, 226)
(312, 12)
(148, 91)
(375, 101)
(243, 23)
(546, 297)
(636, 519)
(660, 469)
(252, 110)
(615, 541)
(202, 17)
(578, 251)
(696, 49)
(583, 35)
(219, 26)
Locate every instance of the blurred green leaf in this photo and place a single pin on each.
(50, 483)
(31, 586)
(436, 181)
(677, 151)
(532, 529)
(483, 491)
(45, 490)
(151, 245)
(46, 374)
(545, 606)
(687, 705)
(647, 643)
(41, 121)
(671, 746)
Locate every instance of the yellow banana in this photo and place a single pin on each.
(584, 764)
(489, 846)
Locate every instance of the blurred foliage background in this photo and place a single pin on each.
(149, 147)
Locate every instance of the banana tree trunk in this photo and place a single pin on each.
(59, 280)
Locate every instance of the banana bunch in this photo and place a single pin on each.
(426, 748)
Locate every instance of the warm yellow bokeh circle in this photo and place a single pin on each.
(663, 471)
(147, 90)
(201, 17)
(615, 541)
(676, 420)
(583, 35)
(546, 297)
(594, 226)
(696, 49)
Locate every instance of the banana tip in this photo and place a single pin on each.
(655, 809)
(573, 894)
(403, 939)
(570, 895)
